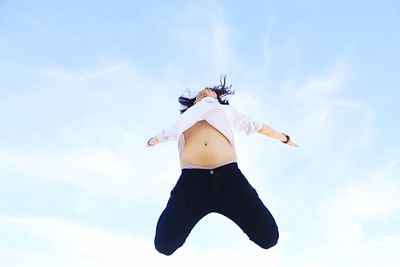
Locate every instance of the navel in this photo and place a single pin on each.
(205, 144)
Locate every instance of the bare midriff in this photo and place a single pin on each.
(206, 147)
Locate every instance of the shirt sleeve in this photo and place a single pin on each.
(169, 133)
(244, 123)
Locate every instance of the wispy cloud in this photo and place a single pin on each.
(123, 171)
(350, 217)
(325, 84)
(64, 75)
(85, 128)
(322, 107)
(91, 131)
(63, 242)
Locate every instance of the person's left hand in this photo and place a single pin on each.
(291, 143)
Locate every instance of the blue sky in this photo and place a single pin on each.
(84, 84)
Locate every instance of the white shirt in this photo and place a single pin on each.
(224, 118)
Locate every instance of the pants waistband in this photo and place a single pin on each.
(205, 166)
(226, 167)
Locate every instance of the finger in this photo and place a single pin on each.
(294, 144)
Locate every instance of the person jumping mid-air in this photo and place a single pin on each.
(211, 180)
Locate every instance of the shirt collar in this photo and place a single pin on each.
(209, 99)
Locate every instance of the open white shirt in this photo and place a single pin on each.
(224, 118)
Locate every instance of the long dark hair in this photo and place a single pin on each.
(222, 90)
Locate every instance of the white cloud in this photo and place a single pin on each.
(347, 218)
(64, 75)
(90, 131)
(323, 117)
(204, 36)
(338, 225)
(46, 241)
(127, 174)
(222, 53)
(317, 86)
(90, 140)
(60, 242)
(313, 264)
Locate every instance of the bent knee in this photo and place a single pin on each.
(164, 247)
(166, 251)
(269, 241)
(266, 244)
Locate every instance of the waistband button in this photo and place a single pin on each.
(212, 171)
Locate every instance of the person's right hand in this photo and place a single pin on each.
(152, 142)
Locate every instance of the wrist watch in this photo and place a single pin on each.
(148, 142)
(287, 138)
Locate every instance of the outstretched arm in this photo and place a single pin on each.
(270, 132)
(167, 134)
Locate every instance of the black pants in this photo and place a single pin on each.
(224, 190)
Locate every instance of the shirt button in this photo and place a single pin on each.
(212, 171)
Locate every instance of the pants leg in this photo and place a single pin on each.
(224, 190)
(240, 203)
(186, 206)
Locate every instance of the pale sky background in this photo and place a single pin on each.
(84, 84)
